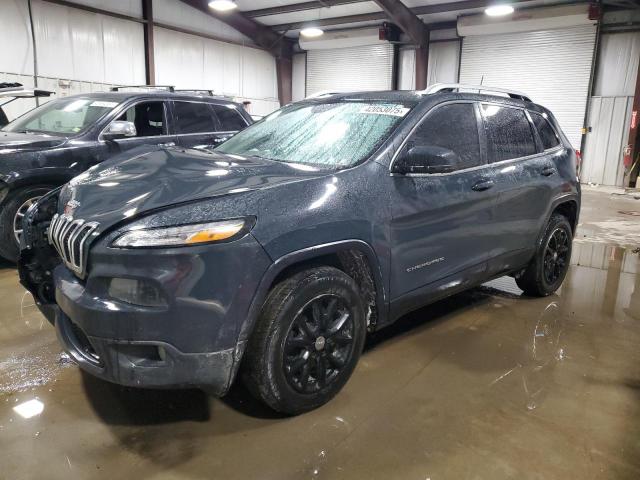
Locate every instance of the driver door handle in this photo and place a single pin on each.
(548, 170)
(482, 184)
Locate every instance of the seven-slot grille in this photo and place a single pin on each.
(70, 238)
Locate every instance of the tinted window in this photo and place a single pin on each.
(148, 117)
(453, 127)
(509, 133)
(193, 117)
(547, 133)
(229, 118)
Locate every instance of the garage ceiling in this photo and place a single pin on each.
(289, 16)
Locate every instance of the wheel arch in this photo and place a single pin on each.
(355, 257)
(48, 177)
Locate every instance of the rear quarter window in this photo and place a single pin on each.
(509, 133)
(545, 130)
(229, 117)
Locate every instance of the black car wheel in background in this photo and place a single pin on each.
(11, 218)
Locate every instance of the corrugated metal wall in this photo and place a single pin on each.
(552, 66)
(610, 109)
(609, 119)
(368, 67)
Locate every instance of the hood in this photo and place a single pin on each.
(114, 191)
(14, 141)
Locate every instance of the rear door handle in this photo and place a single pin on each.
(483, 184)
(548, 170)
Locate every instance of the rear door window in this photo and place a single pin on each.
(545, 130)
(509, 133)
(229, 117)
(194, 117)
(453, 127)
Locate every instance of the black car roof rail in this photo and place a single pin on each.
(451, 87)
(169, 88)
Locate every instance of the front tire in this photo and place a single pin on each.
(307, 341)
(547, 269)
(13, 209)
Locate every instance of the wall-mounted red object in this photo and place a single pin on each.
(595, 11)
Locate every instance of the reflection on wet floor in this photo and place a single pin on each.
(486, 384)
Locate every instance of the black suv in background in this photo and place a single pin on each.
(276, 252)
(53, 143)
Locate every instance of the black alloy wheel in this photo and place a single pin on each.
(556, 255)
(318, 344)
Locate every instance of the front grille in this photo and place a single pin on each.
(71, 238)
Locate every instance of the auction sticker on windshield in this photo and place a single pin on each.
(103, 104)
(393, 110)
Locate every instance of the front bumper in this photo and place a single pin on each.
(190, 342)
(138, 364)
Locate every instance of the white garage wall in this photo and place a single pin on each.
(351, 69)
(78, 45)
(618, 59)
(298, 77)
(189, 61)
(16, 53)
(444, 60)
(77, 51)
(552, 66)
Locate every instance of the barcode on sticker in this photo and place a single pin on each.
(394, 110)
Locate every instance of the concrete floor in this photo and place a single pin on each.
(485, 385)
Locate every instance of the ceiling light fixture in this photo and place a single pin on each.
(222, 5)
(311, 32)
(498, 10)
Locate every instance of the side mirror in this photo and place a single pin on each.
(119, 129)
(426, 159)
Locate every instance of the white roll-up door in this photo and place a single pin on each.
(553, 67)
(368, 67)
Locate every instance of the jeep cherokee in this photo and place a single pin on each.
(275, 253)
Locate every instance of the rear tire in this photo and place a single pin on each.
(10, 217)
(547, 269)
(307, 340)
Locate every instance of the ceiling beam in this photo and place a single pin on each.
(381, 16)
(263, 36)
(404, 18)
(416, 30)
(297, 7)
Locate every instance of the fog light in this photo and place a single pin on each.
(137, 292)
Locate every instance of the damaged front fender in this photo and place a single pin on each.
(38, 258)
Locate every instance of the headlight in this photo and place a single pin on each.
(183, 235)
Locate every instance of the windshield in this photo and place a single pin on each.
(334, 135)
(62, 116)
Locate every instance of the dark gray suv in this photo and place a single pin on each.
(275, 253)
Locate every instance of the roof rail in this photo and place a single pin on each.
(203, 91)
(450, 87)
(16, 90)
(169, 88)
(322, 94)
